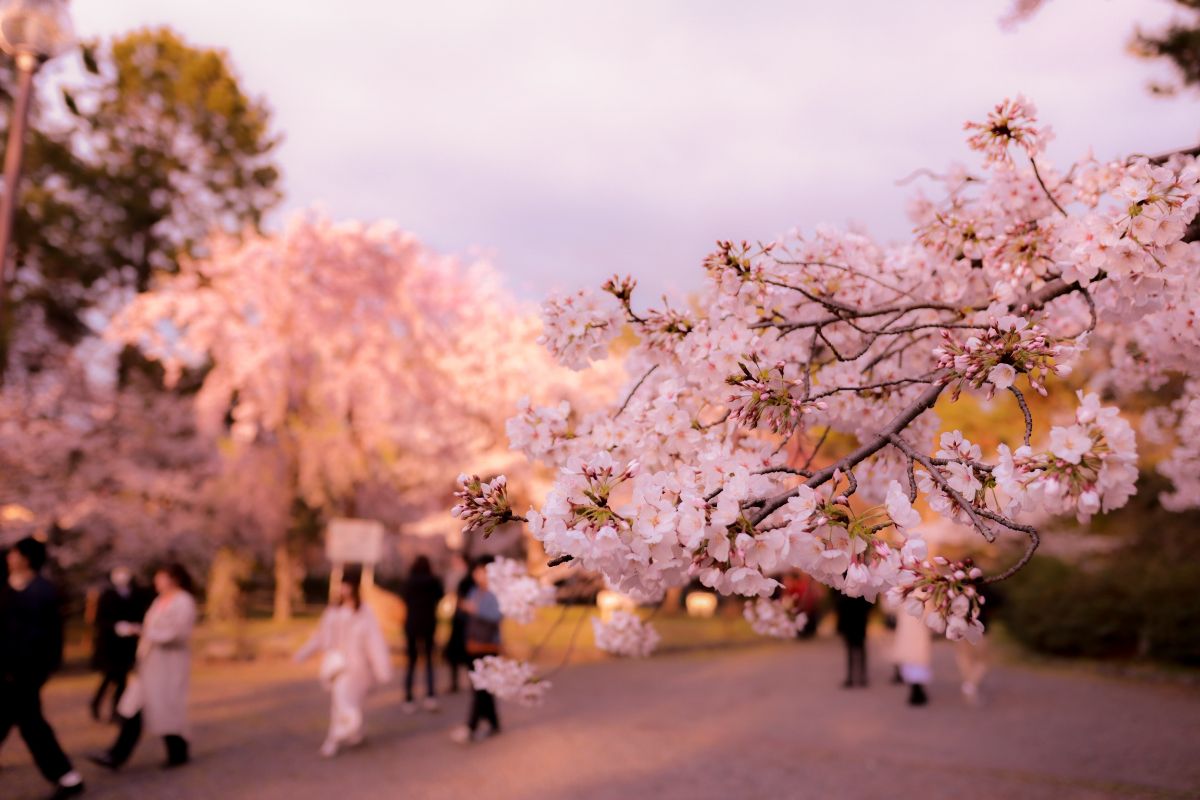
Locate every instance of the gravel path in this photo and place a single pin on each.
(753, 723)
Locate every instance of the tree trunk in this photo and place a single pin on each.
(284, 583)
(223, 600)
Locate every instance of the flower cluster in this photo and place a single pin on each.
(1091, 466)
(1160, 202)
(520, 594)
(957, 468)
(1008, 347)
(850, 551)
(1011, 122)
(765, 396)
(944, 594)
(483, 505)
(578, 328)
(780, 618)
(508, 679)
(624, 633)
(539, 432)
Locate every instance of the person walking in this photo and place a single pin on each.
(156, 698)
(482, 636)
(422, 592)
(354, 657)
(914, 654)
(456, 655)
(852, 615)
(31, 649)
(973, 658)
(113, 656)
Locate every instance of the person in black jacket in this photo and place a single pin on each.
(456, 653)
(422, 592)
(31, 648)
(113, 656)
(852, 614)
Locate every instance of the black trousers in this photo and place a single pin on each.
(21, 706)
(131, 732)
(117, 679)
(422, 642)
(856, 662)
(455, 668)
(483, 707)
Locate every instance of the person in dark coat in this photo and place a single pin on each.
(31, 649)
(422, 592)
(852, 614)
(456, 653)
(113, 656)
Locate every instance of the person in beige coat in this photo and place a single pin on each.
(156, 699)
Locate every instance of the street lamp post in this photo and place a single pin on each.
(31, 31)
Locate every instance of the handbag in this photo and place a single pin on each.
(483, 637)
(333, 663)
(132, 699)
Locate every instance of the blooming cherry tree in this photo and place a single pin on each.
(1015, 271)
(341, 357)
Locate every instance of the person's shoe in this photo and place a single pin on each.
(329, 749)
(971, 694)
(847, 684)
(917, 696)
(72, 788)
(409, 707)
(104, 760)
(461, 735)
(430, 704)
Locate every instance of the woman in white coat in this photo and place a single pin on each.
(156, 699)
(354, 658)
(913, 653)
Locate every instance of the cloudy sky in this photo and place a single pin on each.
(571, 140)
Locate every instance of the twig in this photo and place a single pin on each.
(633, 391)
(570, 645)
(538, 649)
(940, 479)
(1024, 410)
(1030, 549)
(1042, 184)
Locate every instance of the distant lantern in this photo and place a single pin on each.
(701, 604)
(40, 29)
(609, 601)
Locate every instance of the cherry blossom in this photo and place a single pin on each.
(624, 633)
(779, 619)
(508, 679)
(520, 594)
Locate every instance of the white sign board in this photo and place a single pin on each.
(354, 541)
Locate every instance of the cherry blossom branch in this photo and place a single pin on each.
(633, 391)
(901, 421)
(940, 480)
(1042, 184)
(816, 449)
(1024, 410)
(1031, 547)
